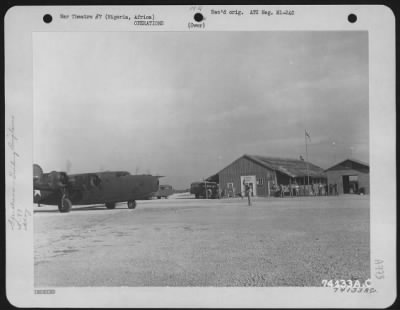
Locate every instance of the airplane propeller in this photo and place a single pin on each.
(68, 166)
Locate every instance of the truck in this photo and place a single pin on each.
(205, 189)
(164, 191)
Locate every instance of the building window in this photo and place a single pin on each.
(260, 181)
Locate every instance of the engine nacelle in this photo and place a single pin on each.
(51, 181)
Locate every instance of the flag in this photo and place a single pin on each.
(307, 135)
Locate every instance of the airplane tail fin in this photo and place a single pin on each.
(37, 171)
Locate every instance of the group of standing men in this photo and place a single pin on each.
(319, 189)
(315, 189)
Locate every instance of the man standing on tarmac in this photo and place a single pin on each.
(248, 193)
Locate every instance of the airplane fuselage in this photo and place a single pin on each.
(103, 187)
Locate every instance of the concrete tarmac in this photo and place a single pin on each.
(194, 242)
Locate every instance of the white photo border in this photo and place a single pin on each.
(21, 22)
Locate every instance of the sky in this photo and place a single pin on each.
(185, 105)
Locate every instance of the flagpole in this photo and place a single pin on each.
(308, 175)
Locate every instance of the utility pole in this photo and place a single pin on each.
(351, 151)
(334, 152)
(205, 187)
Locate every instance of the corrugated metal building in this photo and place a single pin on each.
(262, 173)
(350, 175)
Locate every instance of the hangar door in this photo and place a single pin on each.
(350, 184)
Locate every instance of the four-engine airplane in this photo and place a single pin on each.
(109, 187)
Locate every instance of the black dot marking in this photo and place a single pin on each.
(352, 18)
(198, 17)
(47, 18)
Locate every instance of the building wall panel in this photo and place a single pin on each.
(245, 167)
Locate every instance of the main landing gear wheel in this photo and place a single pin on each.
(110, 205)
(64, 205)
(131, 204)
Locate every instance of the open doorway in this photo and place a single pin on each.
(249, 180)
(350, 184)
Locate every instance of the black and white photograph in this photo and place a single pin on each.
(262, 138)
(201, 159)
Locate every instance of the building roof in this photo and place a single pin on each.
(289, 166)
(348, 163)
(292, 167)
(213, 178)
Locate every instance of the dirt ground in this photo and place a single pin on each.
(188, 242)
